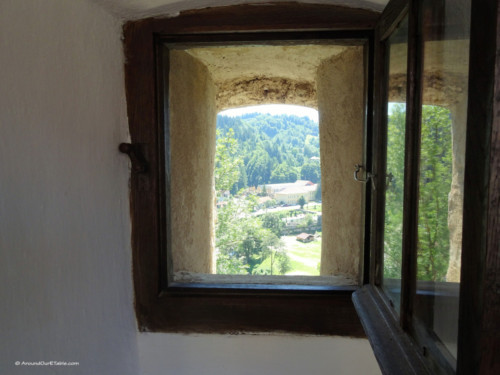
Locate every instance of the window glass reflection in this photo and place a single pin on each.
(397, 46)
(442, 155)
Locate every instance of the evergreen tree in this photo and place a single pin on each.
(435, 184)
(393, 231)
(273, 148)
(301, 202)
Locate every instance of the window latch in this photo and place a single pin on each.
(139, 164)
(369, 175)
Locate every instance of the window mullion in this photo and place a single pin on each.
(380, 145)
(412, 164)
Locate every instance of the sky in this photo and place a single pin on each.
(274, 109)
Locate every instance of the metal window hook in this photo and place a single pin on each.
(369, 175)
(139, 164)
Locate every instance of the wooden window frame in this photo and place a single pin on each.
(479, 308)
(161, 306)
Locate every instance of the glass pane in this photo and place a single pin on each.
(397, 46)
(442, 157)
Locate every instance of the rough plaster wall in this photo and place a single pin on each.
(192, 131)
(65, 269)
(258, 90)
(294, 62)
(456, 196)
(255, 355)
(340, 103)
(244, 75)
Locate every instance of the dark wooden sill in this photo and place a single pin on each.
(226, 310)
(258, 288)
(395, 352)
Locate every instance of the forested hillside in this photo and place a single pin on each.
(273, 148)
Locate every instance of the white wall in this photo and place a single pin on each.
(65, 258)
(65, 284)
(255, 355)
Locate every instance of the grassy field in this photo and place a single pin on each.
(305, 257)
(313, 207)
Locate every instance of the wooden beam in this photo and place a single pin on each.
(479, 334)
(260, 17)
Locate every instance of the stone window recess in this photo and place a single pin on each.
(328, 77)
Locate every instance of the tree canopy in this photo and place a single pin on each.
(273, 148)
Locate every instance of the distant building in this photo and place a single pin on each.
(290, 192)
(305, 237)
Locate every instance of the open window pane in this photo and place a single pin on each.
(442, 155)
(397, 47)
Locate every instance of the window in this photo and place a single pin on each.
(204, 77)
(400, 306)
(153, 47)
(422, 287)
